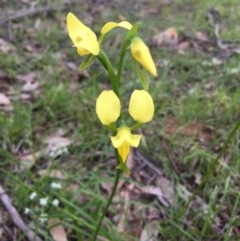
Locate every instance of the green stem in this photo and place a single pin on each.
(117, 177)
(121, 59)
(136, 126)
(211, 169)
(103, 58)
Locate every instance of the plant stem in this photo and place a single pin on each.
(103, 58)
(117, 176)
(120, 63)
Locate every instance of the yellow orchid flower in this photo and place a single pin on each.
(141, 53)
(124, 140)
(141, 106)
(110, 25)
(83, 38)
(108, 107)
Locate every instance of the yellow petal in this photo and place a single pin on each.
(110, 25)
(123, 152)
(87, 46)
(82, 37)
(141, 53)
(125, 137)
(141, 107)
(108, 107)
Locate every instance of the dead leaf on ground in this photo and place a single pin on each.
(58, 174)
(182, 46)
(204, 133)
(57, 230)
(6, 47)
(29, 160)
(108, 186)
(156, 191)
(31, 86)
(57, 140)
(5, 103)
(150, 232)
(167, 188)
(122, 224)
(237, 50)
(201, 36)
(56, 145)
(169, 37)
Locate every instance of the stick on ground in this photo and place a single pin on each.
(16, 218)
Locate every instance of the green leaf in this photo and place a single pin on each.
(87, 62)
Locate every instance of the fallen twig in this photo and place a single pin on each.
(146, 162)
(16, 218)
(34, 11)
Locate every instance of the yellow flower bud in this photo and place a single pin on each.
(108, 107)
(83, 38)
(123, 140)
(141, 53)
(141, 107)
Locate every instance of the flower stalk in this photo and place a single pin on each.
(114, 189)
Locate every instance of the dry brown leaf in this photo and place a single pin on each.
(31, 87)
(57, 230)
(169, 37)
(108, 186)
(5, 103)
(4, 100)
(167, 188)
(5, 47)
(30, 77)
(57, 146)
(122, 224)
(237, 50)
(201, 36)
(29, 160)
(58, 141)
(182, 46)
(54, 174)
(156, 191)
(73, 187)
(150, 232)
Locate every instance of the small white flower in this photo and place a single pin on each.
(55, 202)
(56, 185)
(26, 210)
(234, 71)
(43, 218)
(56, 151)
(43, 201)
(216, 61)
(33, 195)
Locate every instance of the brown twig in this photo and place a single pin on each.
(34, 11)
(146, 162)
(15, 216)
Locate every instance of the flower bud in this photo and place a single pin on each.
(108, 107)
(141, 53)
(141, 107)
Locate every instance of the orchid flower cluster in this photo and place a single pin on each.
(108, 104)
